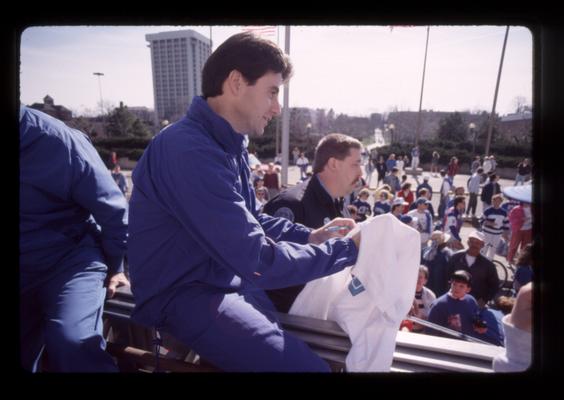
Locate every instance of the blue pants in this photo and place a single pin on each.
(64, 317)
(237, 332)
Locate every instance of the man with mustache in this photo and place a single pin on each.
(318, 200)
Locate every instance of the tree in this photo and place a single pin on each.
(123, 123)
(452, 128)
(520, 104)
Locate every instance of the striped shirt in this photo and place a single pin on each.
(497, 216)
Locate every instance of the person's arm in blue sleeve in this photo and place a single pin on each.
(214, 214)
(280, 229)
(94, 189)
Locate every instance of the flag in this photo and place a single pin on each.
(264, 31)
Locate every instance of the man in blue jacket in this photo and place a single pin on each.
(73, 231)
(200, 255)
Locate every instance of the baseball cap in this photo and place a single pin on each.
(426, 177)
(477, 235)
(422, 200)
(399, 201)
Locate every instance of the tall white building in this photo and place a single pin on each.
(177, 60)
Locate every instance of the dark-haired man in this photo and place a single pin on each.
(200, 255)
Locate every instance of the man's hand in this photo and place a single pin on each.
(339, 227)
(114, 282)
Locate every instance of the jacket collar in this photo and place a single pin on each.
(217, 127)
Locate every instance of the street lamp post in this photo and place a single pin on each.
(391, 127)
(99, 74)
(472, 128)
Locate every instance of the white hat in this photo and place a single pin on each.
(440, 237)
(399, 201)
(477, 235)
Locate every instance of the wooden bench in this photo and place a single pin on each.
(132, 345)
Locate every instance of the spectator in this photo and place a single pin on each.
(398, 206)
(393, 181)
(495, 224)
(475, 165)
(435, 163)
(452, 169)
(73, 232)
(257, 173)
(382, 169)
(113, 160)
(414, 159)
(458, 191)
(485, 281)
(436, 257)
(120, 180)
(407, 194)
(473, 190)
(200, 256)
(425, 185)
(391, 163)
(259, 185)
(261, 194)
(382, 205)
(487, 165)
(362, 205)
(424, 297)
(295, 154)
(424, 219)
(523, 172)
(521, 225)
(278, 159)
(369, 168)
(318, 200)
(423, 192)
(445, 189)
(524, 272)
(494, 163)
(271, 181)
(453, 222)
(302, 163)
(518, 334)
(457, 309)
(490, 322)
(489, 189)
(400, 165)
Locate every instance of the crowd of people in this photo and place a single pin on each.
(215, 245)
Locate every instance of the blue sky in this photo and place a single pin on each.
(353, 69)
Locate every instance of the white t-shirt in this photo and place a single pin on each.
(370, 299)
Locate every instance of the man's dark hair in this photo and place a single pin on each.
(252, 56)
(334, 145)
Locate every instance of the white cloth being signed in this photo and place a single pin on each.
(370, 299)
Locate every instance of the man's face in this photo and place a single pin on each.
(258, 104)
(348, 172)
(459, 289)
(461, 206)
(497, 202)
(474, 246)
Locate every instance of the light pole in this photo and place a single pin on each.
(472, 127)
(99, 74)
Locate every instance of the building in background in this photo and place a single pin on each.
(177, 60)
(49, 107)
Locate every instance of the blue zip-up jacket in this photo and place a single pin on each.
(71, 210)
(193, 221)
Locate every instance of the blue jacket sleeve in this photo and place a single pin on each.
(94, 189)
(213, 212)
(281, 229)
